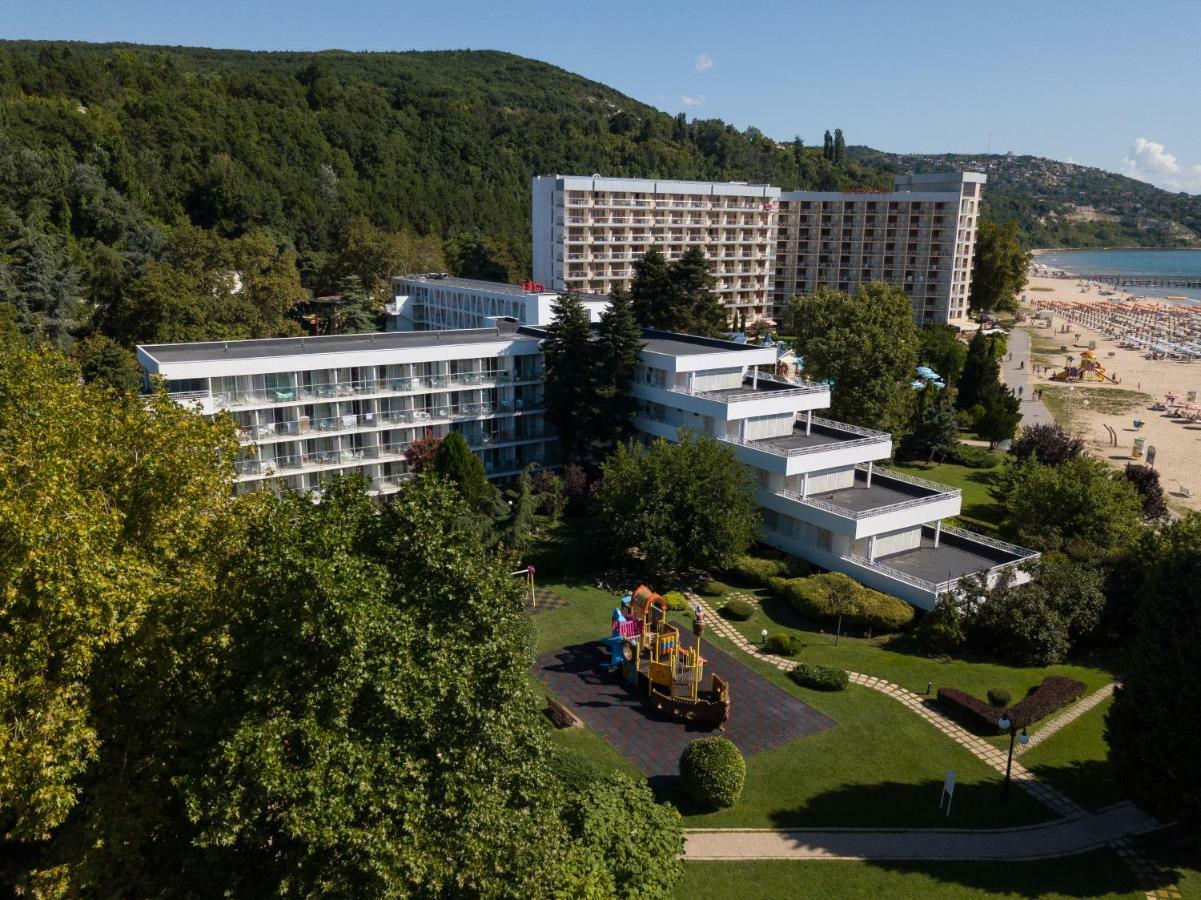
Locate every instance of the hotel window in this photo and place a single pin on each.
(825, 539)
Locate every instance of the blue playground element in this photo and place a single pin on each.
(613, 645)
(925, 376)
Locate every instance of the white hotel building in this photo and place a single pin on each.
(437, 301)
(587, 232)
(308, 408)
(765, 246)
(823, 497)
(921, 237)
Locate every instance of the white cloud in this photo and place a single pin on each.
(1149, 161)
(692, 101)
(704, 63)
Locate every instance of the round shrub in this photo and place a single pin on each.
(713, 772)
(737, 610)
(676, 602)
(714, 588)
(783, 644)
(998, 697)
(819, 678)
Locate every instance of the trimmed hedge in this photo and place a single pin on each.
(713, 588)
(811, 597)
(818, 677)
(675, 601)
(783, 644)
(713, 772)
(998, 697)
(969, 711)
(1056, 692)
(756, 570)
(737, 610)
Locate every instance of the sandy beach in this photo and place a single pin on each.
(1176, 439)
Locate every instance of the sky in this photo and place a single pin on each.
(1108, 84)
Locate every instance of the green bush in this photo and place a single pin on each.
(819, 678)
(713, 772)
(756, 570)
(783, 644)
(813, 597)
(998, 697)
(973, 457)
(573, 769)
(737, 610)
(714, 588)
(676, 602)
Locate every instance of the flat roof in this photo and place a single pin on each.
(819, 435)
(671, 343)
(951, 559)
(334, 343)
(666, 185)
(492, 287)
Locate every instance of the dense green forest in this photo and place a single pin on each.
(135, 181)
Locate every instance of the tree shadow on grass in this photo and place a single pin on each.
(1092, 783)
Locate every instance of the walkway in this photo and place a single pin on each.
(1062, 838)
(1068, 716)
(1033, 411)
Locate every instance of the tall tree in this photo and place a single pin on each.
(866, 345)
(999, 412)
(652, 292)
(618, 346)
(840, 147)
(454, 462)
(111, 506)
(942, 351)
(1154, 726)
(935, 428)
(573, 400)
(469, 254)
(980, 371)
(682, 504)
(828, 146)
(698, 309)
(999, 268)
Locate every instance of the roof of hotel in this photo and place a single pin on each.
(334, 343)
(673, 344)
(492, 287)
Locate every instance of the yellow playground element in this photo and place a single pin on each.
(1089, 369)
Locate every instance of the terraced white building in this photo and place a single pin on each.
(822, 493)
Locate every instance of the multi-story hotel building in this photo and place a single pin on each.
(822, 494)
(765, 247)
(308, 408)
(587, 232)
(436, 301)
(921, 236)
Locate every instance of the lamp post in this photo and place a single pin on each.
(1006, 724)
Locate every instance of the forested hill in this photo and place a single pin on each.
(134, 179)
(1059, 204)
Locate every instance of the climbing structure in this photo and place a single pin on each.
(646, 649)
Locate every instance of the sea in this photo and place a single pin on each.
(1131, 262)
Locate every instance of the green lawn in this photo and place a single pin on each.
(879, 766)
(980, 511)
(893, 659)
(1076, 760)
(1098, 874)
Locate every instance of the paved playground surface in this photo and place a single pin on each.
(762, 715)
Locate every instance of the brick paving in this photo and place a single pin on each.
(762, 715)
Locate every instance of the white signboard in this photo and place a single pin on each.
(948, 791)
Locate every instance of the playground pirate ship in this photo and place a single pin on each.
(646, 650)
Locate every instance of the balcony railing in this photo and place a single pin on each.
(934, 587)
(846, 512)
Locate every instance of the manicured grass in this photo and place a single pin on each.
(1076, 760)
(980, 510)
(879, 766)
(1097, 874)
(894, 659)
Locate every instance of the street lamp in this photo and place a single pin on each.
(1006, 724)
(763, 636)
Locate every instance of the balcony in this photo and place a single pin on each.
(891, 501)
(922, 574)
(769, 396)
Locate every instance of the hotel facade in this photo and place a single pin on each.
(587, 232)
(764, 246)
(436, 301)
(310, 408)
